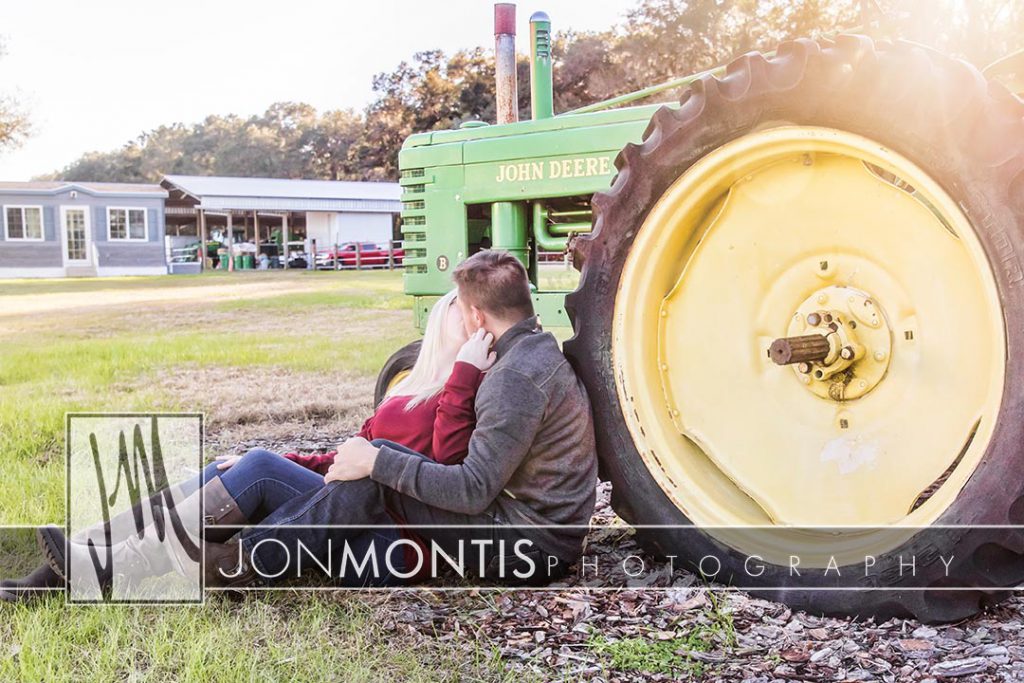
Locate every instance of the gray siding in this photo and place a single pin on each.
(50, 217)
(30, 255)
(127, 254)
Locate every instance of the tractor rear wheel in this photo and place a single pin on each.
(395, 369)
(854, 211)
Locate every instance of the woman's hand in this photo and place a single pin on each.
(477, 350)
(226, 461)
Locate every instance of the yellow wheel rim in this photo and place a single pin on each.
(740, 249)
(398, 377)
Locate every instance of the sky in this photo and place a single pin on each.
(95, 75)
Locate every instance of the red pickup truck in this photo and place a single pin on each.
(370, 255)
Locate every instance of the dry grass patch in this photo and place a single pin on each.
(268, 403)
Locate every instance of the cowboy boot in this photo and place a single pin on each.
(145, 554)
(227, 567)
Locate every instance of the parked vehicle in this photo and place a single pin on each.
(359, 255)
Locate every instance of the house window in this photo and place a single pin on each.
(127, 224)
(24, 222)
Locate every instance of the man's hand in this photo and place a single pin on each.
(354, 460)
(477, 350)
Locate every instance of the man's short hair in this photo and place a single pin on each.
(495, 282)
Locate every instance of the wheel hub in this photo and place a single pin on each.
(838, 343)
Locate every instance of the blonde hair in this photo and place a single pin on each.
(426, 378)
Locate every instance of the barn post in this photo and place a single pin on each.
(256, 227)
(231, 244)
(202, 240)
(284, 237)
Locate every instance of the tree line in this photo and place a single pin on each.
(658, 40)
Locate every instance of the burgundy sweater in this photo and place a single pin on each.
(439, 427)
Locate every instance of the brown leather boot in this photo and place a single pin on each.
(228, 567)
(53, 544)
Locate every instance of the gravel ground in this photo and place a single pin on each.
(592, 630)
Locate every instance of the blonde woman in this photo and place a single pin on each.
(430, 411)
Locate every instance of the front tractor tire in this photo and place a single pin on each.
(802, 306)
(395, 368)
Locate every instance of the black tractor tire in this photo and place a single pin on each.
(968, 135)
(401, 360)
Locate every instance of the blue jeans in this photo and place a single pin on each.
(356, 513)
(343, 525)
(263, 481)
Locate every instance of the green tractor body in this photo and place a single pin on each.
(524, 187)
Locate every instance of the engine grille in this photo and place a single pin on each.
(414, 222)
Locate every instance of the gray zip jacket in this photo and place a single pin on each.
(531, 457)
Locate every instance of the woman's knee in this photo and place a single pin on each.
(260, 456)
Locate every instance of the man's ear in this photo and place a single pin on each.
(479, 317)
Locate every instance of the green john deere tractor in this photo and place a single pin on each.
(800, 312)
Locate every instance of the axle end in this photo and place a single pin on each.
(789, 350)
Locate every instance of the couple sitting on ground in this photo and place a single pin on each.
(486, 447)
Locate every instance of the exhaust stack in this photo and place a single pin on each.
(507, 87)
(541, 88)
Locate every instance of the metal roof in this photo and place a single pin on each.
(54, 187)
(287, 194)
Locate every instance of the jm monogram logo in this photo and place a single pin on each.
(126, 475)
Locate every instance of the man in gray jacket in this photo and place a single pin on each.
(520, 502)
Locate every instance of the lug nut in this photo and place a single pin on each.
(846, 353)
(813, 319)
(804, 368)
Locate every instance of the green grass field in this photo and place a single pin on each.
(91, 356)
